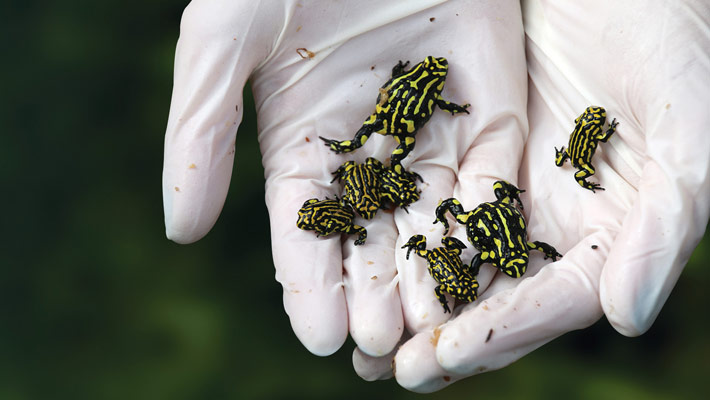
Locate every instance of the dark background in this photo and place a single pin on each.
(95, 302)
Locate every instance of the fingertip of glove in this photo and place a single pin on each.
(372, 368)
(416, 368)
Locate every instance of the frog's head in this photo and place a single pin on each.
(592, 115)
(507, 192)
(436, 65)
(306, 212)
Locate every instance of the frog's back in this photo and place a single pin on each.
(499, 227)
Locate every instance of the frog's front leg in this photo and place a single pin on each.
(453, 244)
(406, 145)
(439, 291)
(585, 171)
(546, 249)
(398, 70)
(451, 107)
(362, 233)
(370, 126)
(607, 134)
(455, 208)
(561, 155)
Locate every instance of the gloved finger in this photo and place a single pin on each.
(509, 324)
(671, 213)
(214, 57)
(308, 267)
(372, 368)
(370, 278)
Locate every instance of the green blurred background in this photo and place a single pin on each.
(97, 304)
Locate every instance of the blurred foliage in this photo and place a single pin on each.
(95, 303)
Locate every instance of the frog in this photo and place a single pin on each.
(329, 216)
(583, 141)
(447, 269)
(497, 230)
(405, 103)
(361, 185)
(399, 189)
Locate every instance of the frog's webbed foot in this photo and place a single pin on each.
(546, 249)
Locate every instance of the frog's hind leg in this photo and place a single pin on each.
(585, 172)
(455, 208)
(546, 249)
(416, 243)
(345, 146)
(439, 291)
(406, 145)
(450, 107)
(362, 233)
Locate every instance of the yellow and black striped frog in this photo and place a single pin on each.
(328, 216)
(588, 132)
(447, 269)
(405, 103)
(498, 230)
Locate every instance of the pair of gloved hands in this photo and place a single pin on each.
(528, 72)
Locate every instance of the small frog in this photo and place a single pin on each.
(498, 230)
(399, 189)
(361, 184)
(405, 104)
(447, 269)
(583, 143)
(329, 216)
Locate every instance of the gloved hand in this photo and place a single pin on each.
(647, 63)
(328, 88)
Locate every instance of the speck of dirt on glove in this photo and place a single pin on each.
(370, 262)
(374, 277)
(594, 247)
(432, 19)
(177, 189)
(435, 339)
(446, 378)
(299, 28)
(236, 108)
(192, 166)
(307, 139)
(490, 333)
(305, 53)
(372, 67)
(668, 106)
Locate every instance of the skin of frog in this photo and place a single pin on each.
(399, 189)
(447, 269)
(588, 132)
(497, 230)
(361, 185)
(326, 217)
(405, 103)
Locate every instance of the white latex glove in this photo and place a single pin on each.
(331, 286)
(648, 63)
